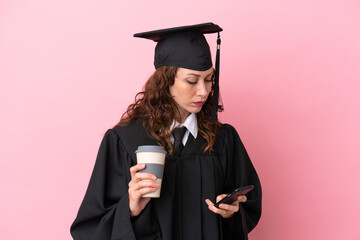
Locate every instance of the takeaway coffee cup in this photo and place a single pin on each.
(154, 158)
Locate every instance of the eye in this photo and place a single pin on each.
(192, 82)
(208, 80)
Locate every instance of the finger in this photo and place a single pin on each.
(147, 183)
(218, 198)
(217, 210)
(137, 177)
(136, 168)
(212, 207)
(144, 176)
(208, 202)
(242, 198)
(229, 207)
(222, 212)
(136, 184)
(139, 193)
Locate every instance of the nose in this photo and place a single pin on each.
(203, 90)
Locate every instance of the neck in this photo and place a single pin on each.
(183, 117)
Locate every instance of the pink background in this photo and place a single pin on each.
(289, 81)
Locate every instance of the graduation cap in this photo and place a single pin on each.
(186, 47)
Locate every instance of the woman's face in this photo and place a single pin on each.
(190, 90)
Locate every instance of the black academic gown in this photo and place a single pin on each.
(104, 213)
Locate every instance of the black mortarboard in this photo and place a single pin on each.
(186, 47)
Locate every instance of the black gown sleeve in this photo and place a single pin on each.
(104, 213)
(240, 172)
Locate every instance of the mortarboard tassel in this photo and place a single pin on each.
(216, 85)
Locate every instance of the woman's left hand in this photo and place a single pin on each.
(226, 210)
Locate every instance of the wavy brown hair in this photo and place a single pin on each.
(157, 108)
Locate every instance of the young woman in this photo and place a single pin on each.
(211, 161)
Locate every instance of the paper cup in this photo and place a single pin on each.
(154, 158)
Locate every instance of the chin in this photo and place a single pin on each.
(196, 110)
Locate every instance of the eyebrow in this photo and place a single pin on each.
(197, 75)
(193, 74)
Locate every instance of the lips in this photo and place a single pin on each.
(199, 104)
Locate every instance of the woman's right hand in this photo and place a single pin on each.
(137, 188)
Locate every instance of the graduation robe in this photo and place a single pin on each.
(104, 213)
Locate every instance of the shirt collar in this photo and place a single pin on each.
(190, 124)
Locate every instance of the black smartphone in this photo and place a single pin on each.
(231, 197)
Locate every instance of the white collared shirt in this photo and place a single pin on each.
(191, 127)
